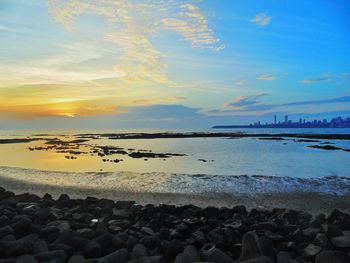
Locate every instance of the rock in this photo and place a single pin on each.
(249, 246)
(341, 242)
(104, 240)
(312, 250)
(6, 230)
(147, 230)
(213, 254)
(124, 204)
(266, 247)
(332, 230)
(30, 209)
(139, 251)
(318, 220)
(118, 256)
(120, 213)
(77, 259)
(59, 255)
(330, 256)
(191, 253)
(22, 226)
(118, 242)
(338, 217)
(322, 241)
(297, 217)
(44, 214)
(310, 232)
(92, 249)
(174, 247)
(86, 233)
(26, 259)
(283, 257)
(257, 260)
(15, 248)
(153, 259)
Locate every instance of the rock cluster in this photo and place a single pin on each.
(35, 229)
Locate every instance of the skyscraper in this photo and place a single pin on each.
(285, 118)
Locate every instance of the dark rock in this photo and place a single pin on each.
(266, 247)
(6, 230)
(330, 256)
(77, 259)
(68, 249)
(297, 217)
(322, 241)
(147, 230)
(139, 251)
(153, 259)
(283, 257)
(22, 226)
(86, 233)
(318, 220)
(213, 254)
(40, 246)
(312, 250)
(26, 259)
(118, 242)
(332, 230)
(44, 214)
(15, 248)
(124, 204)
(341, 242)
(174, 247)
(249, 246)
(59, 255)
(104, 240)
(257, 260)
(118, 256)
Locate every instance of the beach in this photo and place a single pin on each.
(194, 197)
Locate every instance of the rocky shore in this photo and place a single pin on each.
(41, 229)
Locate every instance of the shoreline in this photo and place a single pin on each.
(167, 135)
(101, 186)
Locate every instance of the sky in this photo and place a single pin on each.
(171, 64)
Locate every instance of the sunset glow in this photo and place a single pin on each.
(212, 61)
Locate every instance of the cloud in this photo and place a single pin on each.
(250, 104)
(327, 77)
(261, 19)
(244, 101)
(266, 77)
(132, 25)
(193, 26)
(64, 100)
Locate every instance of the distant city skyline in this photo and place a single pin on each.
(171, 64)
(338, 122)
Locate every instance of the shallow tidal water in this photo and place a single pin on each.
(241, 165)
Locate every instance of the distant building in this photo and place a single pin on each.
(338, 122)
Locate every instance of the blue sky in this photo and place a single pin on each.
(171, 63)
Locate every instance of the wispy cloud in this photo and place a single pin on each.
(244, 101)
(266, 77)
(252, 103)
(327, 77)
(132, 24)
(261, 19)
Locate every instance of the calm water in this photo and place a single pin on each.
(245, 164)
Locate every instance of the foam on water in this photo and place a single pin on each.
(173, 183)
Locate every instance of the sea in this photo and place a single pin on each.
(226, 165)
